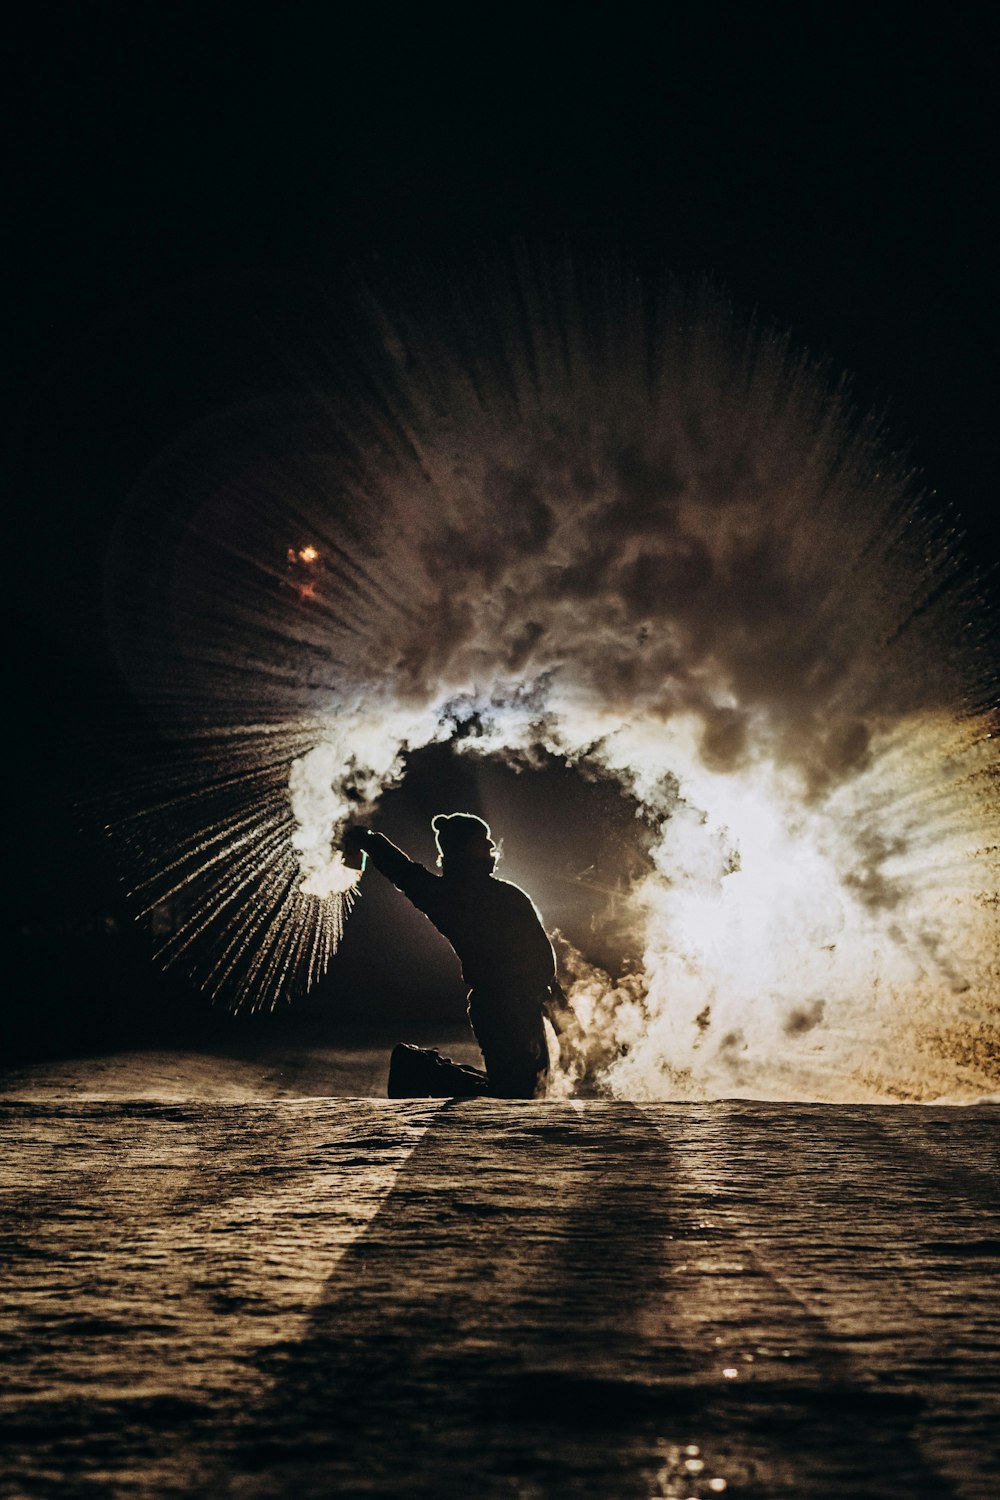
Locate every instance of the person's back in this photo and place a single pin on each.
(493, 926)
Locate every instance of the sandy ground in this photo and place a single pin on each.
(248, 1068)
(217, 1283)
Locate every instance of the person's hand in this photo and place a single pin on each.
(352, 847)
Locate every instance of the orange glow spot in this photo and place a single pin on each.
(308, 554)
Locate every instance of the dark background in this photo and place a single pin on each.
(186, 181)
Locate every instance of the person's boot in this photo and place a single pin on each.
(411, 1073)
(422, 1073)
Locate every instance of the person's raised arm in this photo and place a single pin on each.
(383, 853)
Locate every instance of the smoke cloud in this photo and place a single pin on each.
(627, 533)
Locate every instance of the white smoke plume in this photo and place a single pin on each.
(624, 532)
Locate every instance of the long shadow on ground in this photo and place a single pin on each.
(543, 1306)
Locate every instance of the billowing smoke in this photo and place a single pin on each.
(622, 532)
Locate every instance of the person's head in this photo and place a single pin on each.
(464, 843)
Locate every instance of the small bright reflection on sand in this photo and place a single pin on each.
(718, 1485)
(730, 1372)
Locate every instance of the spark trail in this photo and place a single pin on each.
(623, 531)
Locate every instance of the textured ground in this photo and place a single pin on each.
(351, 1297)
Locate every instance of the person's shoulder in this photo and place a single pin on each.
(511, 892)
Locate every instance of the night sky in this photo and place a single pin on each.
(190, 187)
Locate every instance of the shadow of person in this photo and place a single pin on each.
(536, 1309)
(507, 1257)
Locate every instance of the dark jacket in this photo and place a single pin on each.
(492, 925)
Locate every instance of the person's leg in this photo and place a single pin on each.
(511, 1034)
(524, 1075)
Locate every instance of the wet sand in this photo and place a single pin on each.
(236, 1288)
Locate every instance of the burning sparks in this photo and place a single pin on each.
(643, 544)
(301, 572)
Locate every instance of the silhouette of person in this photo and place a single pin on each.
(507, 961)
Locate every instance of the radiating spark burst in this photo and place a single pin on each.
(620, 529)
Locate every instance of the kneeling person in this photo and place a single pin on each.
(507, 961)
